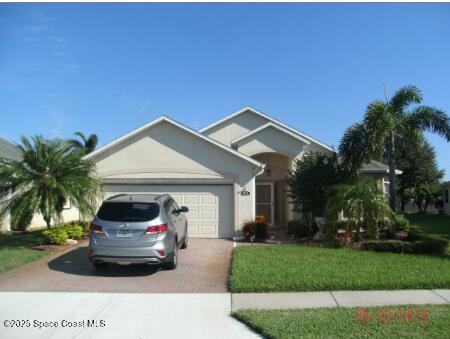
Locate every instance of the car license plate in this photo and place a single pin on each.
(124, 234)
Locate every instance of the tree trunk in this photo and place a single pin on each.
(419, 205)
(427, 203)
(392, 178)
(47, 221)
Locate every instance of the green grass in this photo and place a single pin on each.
(435, 224)
(343, 323)
(272, 268)
(15, 249)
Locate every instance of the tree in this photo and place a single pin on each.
(310, 180)
(86, 145)
(420, 180)
(384, 122)
(49, 175)
(362, 203)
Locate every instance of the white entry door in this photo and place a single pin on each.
(265, 201)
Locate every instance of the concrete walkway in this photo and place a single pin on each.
(337, 299)
(125, 315)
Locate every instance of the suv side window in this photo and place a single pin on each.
(175, 205)
(169, 206)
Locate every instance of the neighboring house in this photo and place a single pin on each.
(447, 198)
(226, 173)
(9, 151)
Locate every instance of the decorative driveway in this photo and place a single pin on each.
(203, 268)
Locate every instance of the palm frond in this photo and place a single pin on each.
(81, 135)
(430, 119)
(404, 97)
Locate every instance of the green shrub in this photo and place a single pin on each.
(417, 244)
(400, 222)
(57, 235)
(395, 246)
(428, 244)
(85, 225)
(257, 228)
(296, 228)
(74, 231)
(260, 230)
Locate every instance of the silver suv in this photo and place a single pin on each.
(138, 229)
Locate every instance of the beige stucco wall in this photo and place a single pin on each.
(235, 127)
(268, 140)
(67, 215)
(166, 151)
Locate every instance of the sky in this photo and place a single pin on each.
(109, 68)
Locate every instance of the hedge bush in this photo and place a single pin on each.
(85, 225)
(74, 231)
(395, 246)
(296, 228)
(401, 223)
(57, 235)
(417, 244)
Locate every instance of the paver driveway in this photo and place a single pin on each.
(202, 267)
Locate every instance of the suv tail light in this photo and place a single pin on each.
(157, 229)
(96, 228)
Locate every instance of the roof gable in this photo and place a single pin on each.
(268, 119)
(273, 126)
(178, 125)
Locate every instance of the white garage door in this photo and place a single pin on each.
(210, 206)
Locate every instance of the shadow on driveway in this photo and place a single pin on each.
(77, 262)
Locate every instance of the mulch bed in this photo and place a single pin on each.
(56, 248)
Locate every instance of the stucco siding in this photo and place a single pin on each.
(235, 127)
(167, 152)
(271, 140)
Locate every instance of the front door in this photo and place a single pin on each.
(265, 201)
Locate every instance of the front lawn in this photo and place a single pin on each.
(435, 224)
(270, 268)
(15, 249)
(350, 322)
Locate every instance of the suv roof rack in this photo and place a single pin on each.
(161, 196)
(117, 195)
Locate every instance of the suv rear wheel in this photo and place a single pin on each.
(185, 242)
(172, 262)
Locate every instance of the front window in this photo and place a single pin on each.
(386, 186)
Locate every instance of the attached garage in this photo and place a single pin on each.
(210, 206)
(198, 172)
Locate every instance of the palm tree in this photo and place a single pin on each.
(362, 203)
(48, 176)
(86, 145)
(385, 124)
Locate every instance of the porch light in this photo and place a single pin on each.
(268, 172)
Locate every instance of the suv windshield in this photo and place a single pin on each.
(128, 211)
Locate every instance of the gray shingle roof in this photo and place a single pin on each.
(9, 150)
(376, 167)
